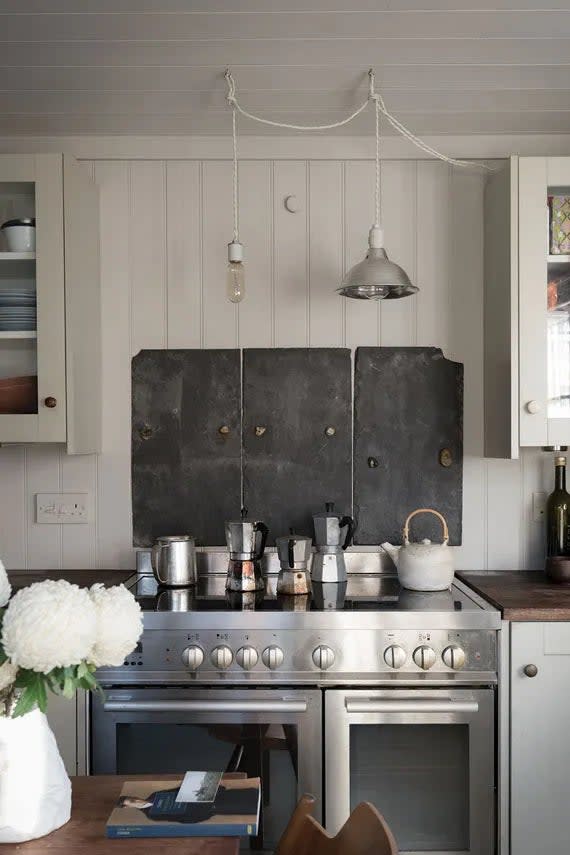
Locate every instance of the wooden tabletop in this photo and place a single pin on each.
(522, 596)
(93, 800)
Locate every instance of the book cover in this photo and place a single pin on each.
(150, 809)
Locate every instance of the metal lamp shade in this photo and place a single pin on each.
(376, 278)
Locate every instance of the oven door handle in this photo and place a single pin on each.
(409, 705)
(243, 706)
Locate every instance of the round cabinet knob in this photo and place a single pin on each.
(424, 657)
(292, 204)
(247, 657)
(323, 657)
(454, 657)
(533, 407)
(50, 402)
(395, 656)
(530, 670)
(272, 657)
(222, 657)
(193, 657)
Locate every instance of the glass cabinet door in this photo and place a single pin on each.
(32, 322)
(544, 300)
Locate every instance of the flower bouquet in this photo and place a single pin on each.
(53, 636)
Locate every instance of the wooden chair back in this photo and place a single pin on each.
(364, 833)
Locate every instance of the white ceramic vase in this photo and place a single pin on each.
(35, 791)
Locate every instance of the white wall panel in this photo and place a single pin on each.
(164, 230)
(291, 255)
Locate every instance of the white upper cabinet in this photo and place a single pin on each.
(527, 305)
(50, 316)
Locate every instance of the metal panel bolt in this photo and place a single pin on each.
(145, 432)
(330, 431)
(373, 463)
(260, 430)
(445, 457)
(224, 430)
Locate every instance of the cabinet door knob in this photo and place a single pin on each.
(530, 670)
(50, 402)
(533, 407)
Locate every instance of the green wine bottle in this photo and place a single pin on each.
(558, 513)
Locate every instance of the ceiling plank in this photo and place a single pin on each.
(274, 6)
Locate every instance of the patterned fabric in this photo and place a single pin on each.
(559, 224)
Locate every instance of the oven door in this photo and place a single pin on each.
(424, 758)
(268, 733)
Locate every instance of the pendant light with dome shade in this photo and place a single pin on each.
(375, 277)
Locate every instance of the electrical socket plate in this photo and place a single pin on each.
(62, 508)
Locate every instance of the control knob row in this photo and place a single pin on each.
(222, 657)
(425, 657)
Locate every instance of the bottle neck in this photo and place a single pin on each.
(560, 478)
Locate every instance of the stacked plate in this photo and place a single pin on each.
(17, 310)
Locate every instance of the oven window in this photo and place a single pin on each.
(418, 778)
(267, 751)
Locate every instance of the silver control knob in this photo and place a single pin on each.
(193, 657)
(424, 657)
(395, 656)
(272, 657)
(222, 657)
(323, 657)
(247, 657)
(454, 657)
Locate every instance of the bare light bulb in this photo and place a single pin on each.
(235, 273)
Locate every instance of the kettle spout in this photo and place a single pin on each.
(392, 551)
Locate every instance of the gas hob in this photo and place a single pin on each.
(369, 630)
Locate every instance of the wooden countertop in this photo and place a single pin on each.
(93, 799)
(522, 596)
(83, 578)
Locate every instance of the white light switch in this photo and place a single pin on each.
(538, 506)
(62, 508)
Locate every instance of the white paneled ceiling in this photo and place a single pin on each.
(156, 66)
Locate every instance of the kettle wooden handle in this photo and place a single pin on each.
(426, 511)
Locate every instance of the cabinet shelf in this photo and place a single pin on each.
(17, 256)
(559, 259)
(15, 335)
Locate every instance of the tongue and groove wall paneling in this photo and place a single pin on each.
(43, 475)
(361, 316)
(326, 308)
(466, 346)
(114, 464)
(291, 255)
(290, 466)
(184, 253)
(255, 313)
(147, 248)
(13, 502)
(398, 317)
(408, 406)
(186, 474)
(220, 317)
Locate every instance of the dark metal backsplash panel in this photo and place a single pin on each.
(186, 473)
(291, 466)
(408, 423)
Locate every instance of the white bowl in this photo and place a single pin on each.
(20, 238)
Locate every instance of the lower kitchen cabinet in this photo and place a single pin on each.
(540, 738)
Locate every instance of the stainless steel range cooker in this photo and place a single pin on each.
(360, 692)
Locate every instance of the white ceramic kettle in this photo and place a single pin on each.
(424, 566)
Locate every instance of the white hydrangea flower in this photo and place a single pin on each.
(119, 624)
(49, 624)
(7, 674)
(5, 587)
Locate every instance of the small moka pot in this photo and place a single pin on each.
(246, 541)
(333, 534)
(294, 553)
